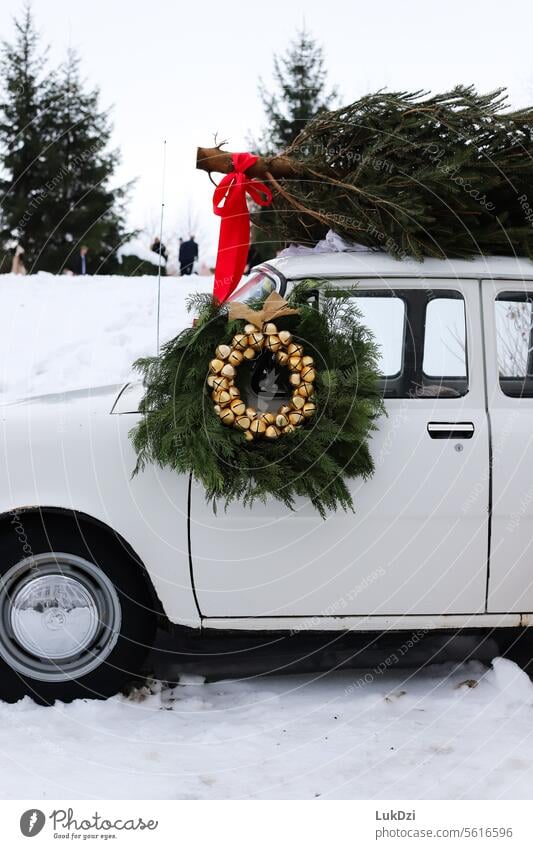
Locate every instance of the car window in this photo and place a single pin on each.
(258, 286)
(444, 363)
(514, 343)
(383, 312)
(385, 318)
(421, 338)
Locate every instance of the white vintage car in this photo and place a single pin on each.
(92, 559)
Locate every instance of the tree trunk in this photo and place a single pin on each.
(214, 159)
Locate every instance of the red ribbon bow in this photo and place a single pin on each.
(229, 201)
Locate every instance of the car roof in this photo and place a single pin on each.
(370, 263)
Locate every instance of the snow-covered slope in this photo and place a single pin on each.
(65, 332)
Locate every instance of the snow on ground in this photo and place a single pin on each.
(445, 732)
(67, 332)
(458, 732)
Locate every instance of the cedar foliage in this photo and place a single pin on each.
(180, 429)
(417, 175)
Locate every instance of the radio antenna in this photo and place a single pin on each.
(161, 243)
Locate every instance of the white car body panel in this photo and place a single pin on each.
(411, 548)
(511, 554)
(68, 451)
(364, 624)
(378, 265)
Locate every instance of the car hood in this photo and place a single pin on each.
(97, 399)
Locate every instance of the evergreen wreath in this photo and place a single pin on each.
(180, 427)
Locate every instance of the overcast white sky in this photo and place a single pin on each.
(182, 71)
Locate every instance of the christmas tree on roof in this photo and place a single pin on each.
(415, 174)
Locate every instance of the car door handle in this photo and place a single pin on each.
(451, 430)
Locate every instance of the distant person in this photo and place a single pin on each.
(187, 256)
(157, 246)
(79, 265)
(17, 264)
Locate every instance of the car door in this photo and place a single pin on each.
(417, 541)
(508, 319)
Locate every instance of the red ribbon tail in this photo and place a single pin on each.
(230, 203)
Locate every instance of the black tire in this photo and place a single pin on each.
(32, 537)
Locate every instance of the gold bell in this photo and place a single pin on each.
(273, 343)
(240, 341)
(295, 379)
(248, 435)
(305, 390)
(211, 381)
(293, 348)
(255, 340)
(307, 361)
(268, 418)
(270, 329)
(228, 371)
(238, 406)
(308, 409)
(220, 382)
(251, 413)
(258, 426)
(223, 352)
(272, 432)
(282, 358)
(234, 392)
(296, 418)
(217, 408)
(249, 353)
(295, 362)
(298, 402)
(243, 422)
(216, 366)
(281, 420)
(308, 374)
(285, 337)
(251, 328)
(223, 397)
(284, 409)
(227, 417)
(289, 429)
(235, 358)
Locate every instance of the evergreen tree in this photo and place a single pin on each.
(300, 94)
(21, 139)
(80, 207)
(300, 80)
(55, 185)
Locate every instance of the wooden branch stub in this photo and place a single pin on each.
(214, 159)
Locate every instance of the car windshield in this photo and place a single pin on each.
(258, 286)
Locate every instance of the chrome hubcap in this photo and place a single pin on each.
(60, 617)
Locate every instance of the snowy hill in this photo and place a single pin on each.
(62, 332)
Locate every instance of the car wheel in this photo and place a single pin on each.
(75, 617)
